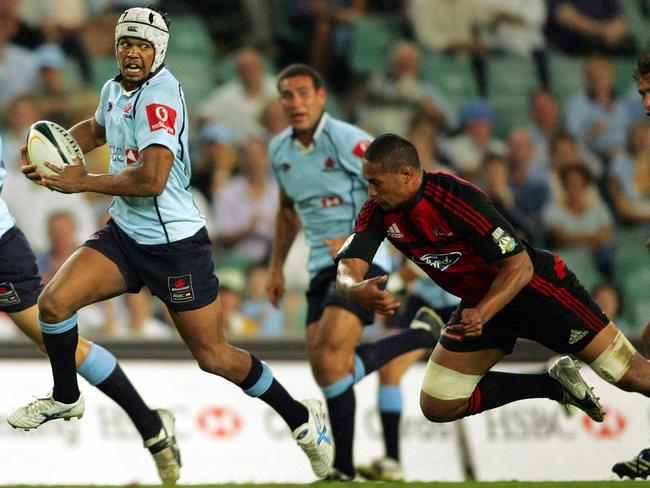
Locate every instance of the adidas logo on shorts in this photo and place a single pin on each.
(576, 335)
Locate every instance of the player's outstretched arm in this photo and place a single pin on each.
(367, 293)
(88, 134)
(146, 180)
(287, 226)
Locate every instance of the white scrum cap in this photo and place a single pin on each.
(147, 24)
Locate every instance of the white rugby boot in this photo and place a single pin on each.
(43, 410)
(313, 438)
(427, 319)
(382, 469)
(575, 389)
(164, 449)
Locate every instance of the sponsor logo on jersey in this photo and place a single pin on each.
(439, 262)
(394, 232)
(576, 335)
(331, 201)
(131, 155)
(438, 232)
(8, 295)
(504, 240)
(329, 165)
(180, 288)
(161, 117)
(360, 149)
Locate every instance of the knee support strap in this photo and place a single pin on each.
(614, 361)
(447, 384)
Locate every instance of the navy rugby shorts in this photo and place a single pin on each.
(322, 292)
(20, 283)
(180, 273)
(554, 309)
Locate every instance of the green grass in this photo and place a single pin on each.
(476, 484)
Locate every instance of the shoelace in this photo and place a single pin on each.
(37, 405)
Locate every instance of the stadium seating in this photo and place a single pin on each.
(372, 39)
(453, 75)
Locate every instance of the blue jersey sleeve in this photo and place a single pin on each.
(353, 143)
(159, 117)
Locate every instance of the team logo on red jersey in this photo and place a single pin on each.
(439, 262)
(161, 117)
(360, 148)
(131, 156)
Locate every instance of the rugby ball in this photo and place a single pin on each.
(47, 141)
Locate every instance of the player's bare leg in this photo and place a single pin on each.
(202, 331)
(100, 368)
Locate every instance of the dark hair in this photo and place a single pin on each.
(577, 167)
(392, 152)
(298, 69)
(642, 67)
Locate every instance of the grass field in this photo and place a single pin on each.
(474, 484)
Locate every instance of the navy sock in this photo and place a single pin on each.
(260, 383)
(100, 369)
(375, 354)
(60, 349)
(341, 410)
(119, 389)
(390, 410)
(496, 389)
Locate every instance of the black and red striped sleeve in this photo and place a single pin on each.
(368, 234)
(472, 216)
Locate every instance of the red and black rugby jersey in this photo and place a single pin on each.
(450, 229)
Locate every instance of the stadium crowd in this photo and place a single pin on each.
(530, 99)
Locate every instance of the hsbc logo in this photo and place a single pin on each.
(331, 201)
(439, 262)
(221, 422)
(131, 155)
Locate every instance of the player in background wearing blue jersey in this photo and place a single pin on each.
(155, 238)
(20, 286)
(317, 164)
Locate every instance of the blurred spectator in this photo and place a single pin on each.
(596, 116)
(61, 230)
(331, 35)
(217, 162)
(245, 210)
(60, 103)
(18, 66)
(62, 22)
(424, 134)
(581, 222)
(496, 183)
(273, 119)
(516, 27)
(634, 109)
(544, 113)
(392, 101)
(452, 27)
(468, 149)
(239, 103)
(269, 321)
(628, 181)
(232, 286)
(530, 185)
(581, 27)
(20, 115)
(608, 298)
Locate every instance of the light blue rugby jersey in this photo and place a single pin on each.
(324, 181)
(6, 220)
(153, 114)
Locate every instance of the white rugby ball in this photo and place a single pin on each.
(47, 141)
